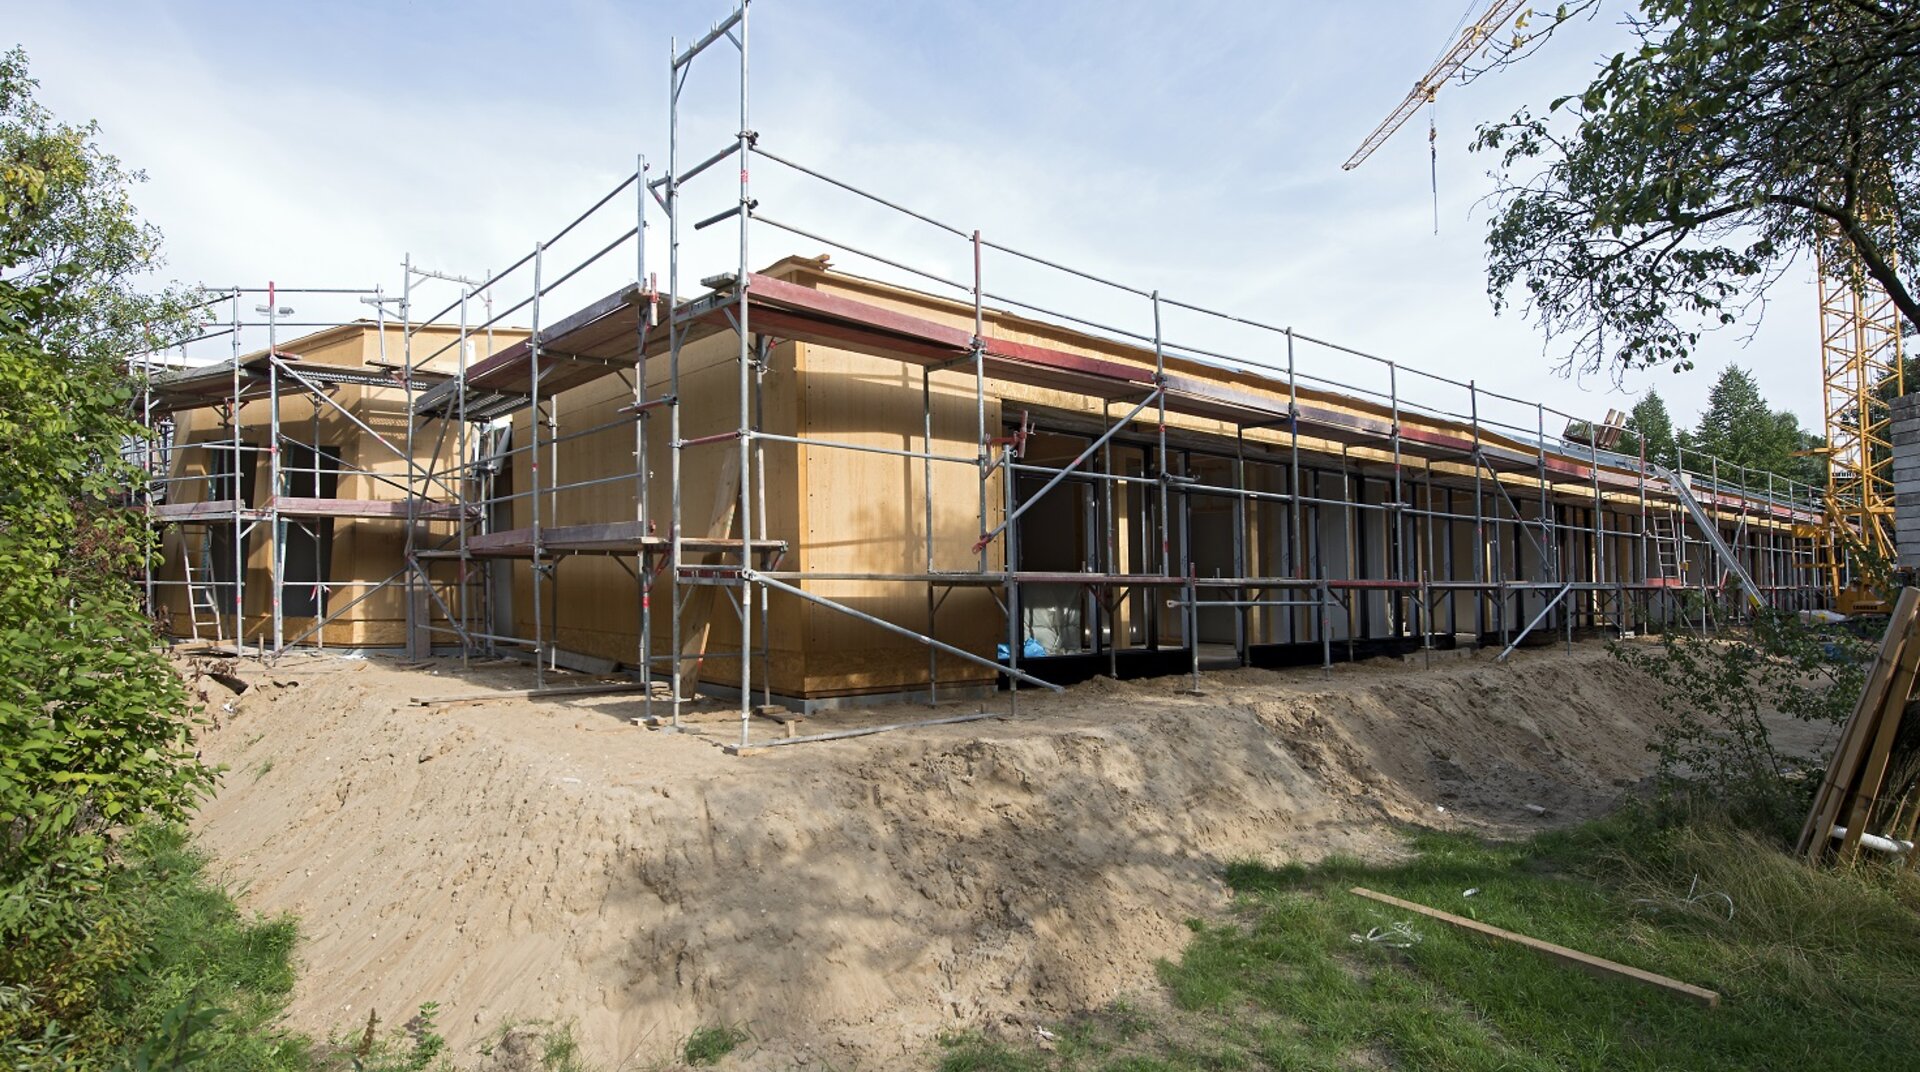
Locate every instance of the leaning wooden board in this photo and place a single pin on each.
(1814, 835)
(1864, 794)
(1584, 961)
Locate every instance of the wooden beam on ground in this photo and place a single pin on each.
(603, 689)
(1592, 965)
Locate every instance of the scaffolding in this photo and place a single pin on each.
(210, 518)
(1396, 514)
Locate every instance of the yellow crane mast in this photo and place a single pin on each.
(1861, 373)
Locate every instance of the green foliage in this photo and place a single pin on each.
(1816, 967)
(1740, 428)
(536, 1045)
(157, 970)
(1649, 425)
(423, 1044)
(1666, 197)
(1713, 740)
(974, 1053)
(69, 229)
(707, 1045)
(95, 738)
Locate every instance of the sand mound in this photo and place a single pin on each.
(846, 900)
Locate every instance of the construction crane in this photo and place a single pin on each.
(1861, 372)
(1472, 39)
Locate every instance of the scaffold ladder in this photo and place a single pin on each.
(1710, 532)
(1669, 557)
(200, 593)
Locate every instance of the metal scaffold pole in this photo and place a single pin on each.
(277, 560)
(234, 486)
(533, 466)
(644, 565)
(744, 442)
(675, 80)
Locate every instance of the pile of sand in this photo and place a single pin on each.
(845, 901)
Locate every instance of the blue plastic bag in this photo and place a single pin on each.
(1031, 649)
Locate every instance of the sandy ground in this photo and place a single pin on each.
(848, 900)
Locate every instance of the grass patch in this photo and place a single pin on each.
(707, 1045)
(548, 1047)
(158, 970)
(1817, 969)
(155, 969)
(977, 1053)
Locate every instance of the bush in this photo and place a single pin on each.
(95, 733)
(1716, 695)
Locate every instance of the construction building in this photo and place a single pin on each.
(802, 485)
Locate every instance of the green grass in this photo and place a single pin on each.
(707, 1045)
(158, 970)
(1816, 969)
(207, 985)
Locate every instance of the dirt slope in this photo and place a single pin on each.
(846, 900)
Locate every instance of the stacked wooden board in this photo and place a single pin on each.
(1849, 796)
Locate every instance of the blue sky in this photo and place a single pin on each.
(1195, 149)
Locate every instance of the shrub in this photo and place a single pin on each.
(1716, 696)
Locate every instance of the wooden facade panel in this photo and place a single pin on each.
(593, 603)
(867, 512)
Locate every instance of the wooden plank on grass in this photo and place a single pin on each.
(1586, 962)
(530, 694)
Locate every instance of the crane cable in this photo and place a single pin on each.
(1433, 160)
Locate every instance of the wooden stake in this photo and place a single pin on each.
(1866, 789)
(697, 628)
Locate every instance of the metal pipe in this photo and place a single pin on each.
(1062, 474)
(277, 559)
(1013, 672)
(239, 495)
(533, 465)
(1544, 611)
(867, 731)
(674, 339)
(739, 18)
(746, 417)
(643, 569)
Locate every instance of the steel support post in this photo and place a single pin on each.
(745, 355)
(533, 466)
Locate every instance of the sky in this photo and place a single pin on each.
(1192, 149)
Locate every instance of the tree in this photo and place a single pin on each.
(1740, 428)
(1668, 196)
(1649, 425)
